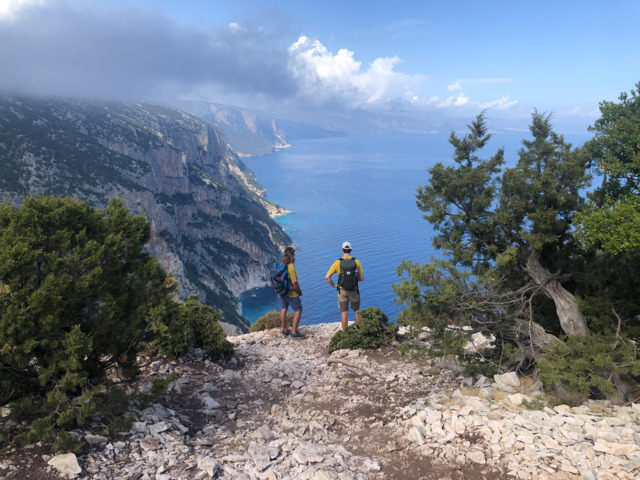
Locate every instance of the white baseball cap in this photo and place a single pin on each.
(346, 245)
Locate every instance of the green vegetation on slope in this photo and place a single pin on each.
(79, 296)
(527, 258)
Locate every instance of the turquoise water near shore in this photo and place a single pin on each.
(361, 189)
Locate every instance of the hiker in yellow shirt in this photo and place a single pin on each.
(349, 270)
(292, 298)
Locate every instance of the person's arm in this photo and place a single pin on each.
(360, 271)
(293, 276)
(331, 271)
(330, 280)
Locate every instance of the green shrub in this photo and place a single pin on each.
(173, 333)
(204, 321)
(269, 321)
(478, 366)
(79, 295)
(372, 331)
(535, 404)
(158, 387)
(177, 327)
(586, 365)
(441, 342)
(48, 420)
(414, 349)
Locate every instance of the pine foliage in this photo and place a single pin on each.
(270, 321)
(372, 331)
(79, 297)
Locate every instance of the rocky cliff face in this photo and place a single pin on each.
(252, 133)
(247, 132)
(211, 225)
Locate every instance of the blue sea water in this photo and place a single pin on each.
(361, 189)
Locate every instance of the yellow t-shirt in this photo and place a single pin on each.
(293, 278)
(335, 268)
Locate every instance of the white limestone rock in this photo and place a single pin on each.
(507, 381)
(66, 463)
(95, 439)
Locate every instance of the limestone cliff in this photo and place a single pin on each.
(211, 225)
(252, 133)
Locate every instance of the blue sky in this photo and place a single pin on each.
(428, 59)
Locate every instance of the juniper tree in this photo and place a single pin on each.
(505, 237)
(613, 221)
(79, 295)
(609, 229)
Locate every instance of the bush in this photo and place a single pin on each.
(173, 333)
(372, 331)
(79, 295)
(270, 321)
(204, 321)
(177, 327)
(587, 365)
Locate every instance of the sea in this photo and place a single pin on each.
(361, 189)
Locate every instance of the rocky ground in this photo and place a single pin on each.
(284, 409)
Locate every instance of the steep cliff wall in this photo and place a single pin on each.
(211, 225)
(252, 133)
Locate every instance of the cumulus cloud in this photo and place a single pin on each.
(462, 99)
(454, 101)
(325, 76)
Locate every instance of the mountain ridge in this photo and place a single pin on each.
(254, 133)
(211, 224)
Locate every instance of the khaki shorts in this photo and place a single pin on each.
(348, 296)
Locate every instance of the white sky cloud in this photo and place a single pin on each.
(65, 47)
(327, 76)
(581, 112)
(457, 85)
(504, 103)
(9, 7)
(218, 51)
(462, 99)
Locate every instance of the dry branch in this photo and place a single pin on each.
(347, 364)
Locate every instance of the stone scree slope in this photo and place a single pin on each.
(284, 409)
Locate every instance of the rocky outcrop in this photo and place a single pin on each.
(251, 133)
(284, 409)
(247, 132)
(211, 225)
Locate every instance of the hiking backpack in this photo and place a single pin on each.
(348, 278)
(280, 278)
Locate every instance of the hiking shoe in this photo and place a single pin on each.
(284, 333)
(298, 335)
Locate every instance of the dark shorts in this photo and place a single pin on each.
(346, 297)
(293, 302)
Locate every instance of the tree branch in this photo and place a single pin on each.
(347, 364)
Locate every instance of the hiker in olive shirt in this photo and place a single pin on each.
(349, 270)
(291, 299)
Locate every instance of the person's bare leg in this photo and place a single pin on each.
(296, 320)
(357, 312)
(283, 320)
(344, 319)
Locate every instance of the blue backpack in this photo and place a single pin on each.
(280, 278)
